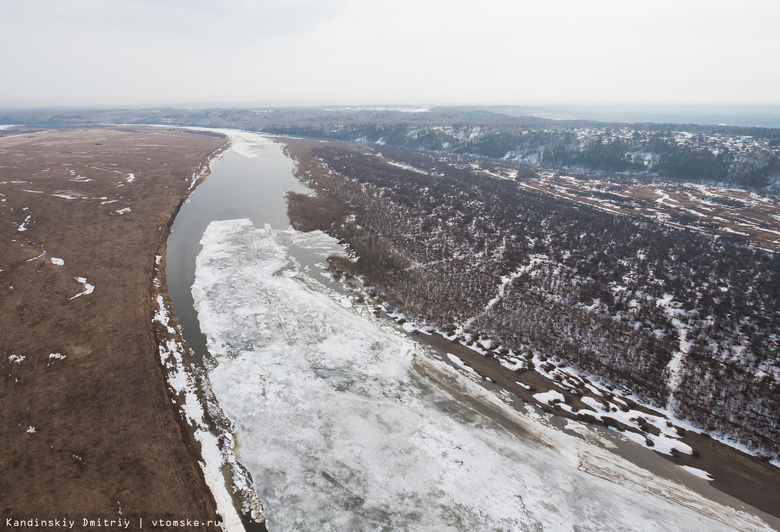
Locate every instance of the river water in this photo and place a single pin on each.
(346, 425)
(250, 180)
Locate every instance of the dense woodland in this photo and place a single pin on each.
(615, 296)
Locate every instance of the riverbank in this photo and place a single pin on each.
(89, 427)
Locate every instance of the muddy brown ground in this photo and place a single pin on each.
(91, 435)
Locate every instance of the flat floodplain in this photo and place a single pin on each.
(724, 212)
(87, 427)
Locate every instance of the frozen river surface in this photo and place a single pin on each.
(346, 425)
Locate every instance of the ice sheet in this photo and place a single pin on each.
(344, 425)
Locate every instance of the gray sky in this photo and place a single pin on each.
(145, 52)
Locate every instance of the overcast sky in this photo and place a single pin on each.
(145, 52)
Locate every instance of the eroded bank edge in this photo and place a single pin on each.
(207, 432)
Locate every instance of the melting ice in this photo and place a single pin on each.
(345, 425)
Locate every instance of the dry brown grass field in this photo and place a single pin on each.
(87, 429)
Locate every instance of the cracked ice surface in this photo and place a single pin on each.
(344, 426)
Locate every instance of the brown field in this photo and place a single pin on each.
(87, 426)
(718, 211)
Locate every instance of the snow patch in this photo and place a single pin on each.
(698, 472)
(55, 356)
(88, 288)
(458, 362)
(549, 397)
(23, 227)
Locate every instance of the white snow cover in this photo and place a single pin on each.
(675, 365)
(458, 362)
(345, 425)
(406, 167)
(549, 397)
(23, 227)
(55, 356)
(508, 279)
(38, 257)
(183, 385)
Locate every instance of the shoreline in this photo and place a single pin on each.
(243, 501)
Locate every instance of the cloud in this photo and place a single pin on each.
(136, 51)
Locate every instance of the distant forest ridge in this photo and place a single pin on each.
(745, 157)
(739, 115)
(750, 159)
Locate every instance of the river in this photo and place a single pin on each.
(346, 424)
(249, 180)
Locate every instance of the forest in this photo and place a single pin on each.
(640, 151)
(659, 312)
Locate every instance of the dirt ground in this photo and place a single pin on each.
(87, 429)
